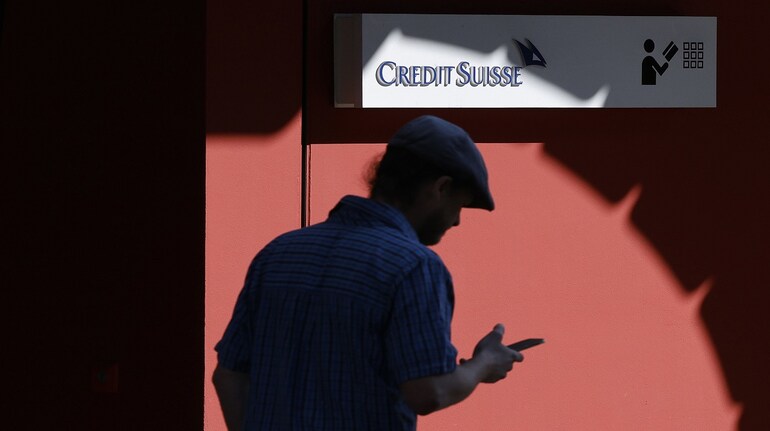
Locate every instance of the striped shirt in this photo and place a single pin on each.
(333, 317)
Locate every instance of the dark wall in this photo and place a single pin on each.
(103, 151)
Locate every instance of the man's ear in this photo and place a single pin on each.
(433, 192)
(443, 185)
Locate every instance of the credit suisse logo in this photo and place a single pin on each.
(464, 73)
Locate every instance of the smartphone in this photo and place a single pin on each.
(526, 344)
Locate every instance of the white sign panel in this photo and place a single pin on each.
(506, 61)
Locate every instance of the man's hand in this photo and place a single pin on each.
(494, 357)
(491, 361)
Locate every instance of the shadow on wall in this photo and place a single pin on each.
(704, 207)
(253, 69)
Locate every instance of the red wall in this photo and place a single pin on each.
(625, 346)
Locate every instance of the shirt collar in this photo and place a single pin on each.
(358, 210)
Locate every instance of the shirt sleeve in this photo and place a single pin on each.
(234, 350)
(418, 337)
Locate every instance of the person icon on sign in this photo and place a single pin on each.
(650, 67)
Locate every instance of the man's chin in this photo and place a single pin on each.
(431, 240)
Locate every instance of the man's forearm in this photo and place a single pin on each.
(458, 385)
(491, 362)
(233, 391)
(430, 394)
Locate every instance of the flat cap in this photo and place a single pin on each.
(449, 147)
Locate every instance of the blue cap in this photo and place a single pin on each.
(449, 147)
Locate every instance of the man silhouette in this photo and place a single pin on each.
(345, 325)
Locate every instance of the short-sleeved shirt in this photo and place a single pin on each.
(334, 317)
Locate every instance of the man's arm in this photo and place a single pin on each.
(233, 391)
(491, 362)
